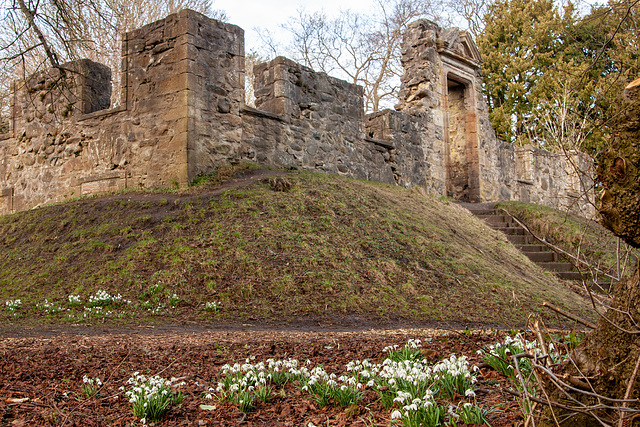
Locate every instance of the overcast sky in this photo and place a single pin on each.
(249, 14)
(271, 14)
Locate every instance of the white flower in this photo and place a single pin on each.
(451, 412)
(396, 415)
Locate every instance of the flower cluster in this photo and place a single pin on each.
(103, 299)
(13, 305)
(96, 312)
(174, 300)
(49, 308)
(500, 355)
(151, 397)
(90, 386)
(415, 388)
(212, 306)
(411, 385)
(74, 300)
(411, 351)
(153, 309)
(243, 383)
(345, 390)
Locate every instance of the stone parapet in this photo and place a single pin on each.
(319, 125)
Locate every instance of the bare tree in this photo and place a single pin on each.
(40, 33)
(469, 12)
(363, 49)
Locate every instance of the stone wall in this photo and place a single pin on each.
(556, 180)
(414, 156)
(181, 75)
(182, 115)
(311, 121)
(215, 93)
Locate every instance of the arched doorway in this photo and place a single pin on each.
(461, 141)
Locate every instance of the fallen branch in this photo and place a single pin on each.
(569, 315)
(577, 382)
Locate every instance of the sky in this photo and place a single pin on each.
(271, 14)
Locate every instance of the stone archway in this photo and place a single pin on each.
(461, 141)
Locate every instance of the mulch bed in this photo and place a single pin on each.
(41, 376)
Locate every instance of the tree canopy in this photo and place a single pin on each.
(551, 74)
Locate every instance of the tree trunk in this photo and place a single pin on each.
(609, 358)
(619, 170)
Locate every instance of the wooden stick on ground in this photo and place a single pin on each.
(569, 315)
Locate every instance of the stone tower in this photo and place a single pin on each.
(442, 83)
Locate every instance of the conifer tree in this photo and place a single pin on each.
(520, 42)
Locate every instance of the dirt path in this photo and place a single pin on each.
(344, 324)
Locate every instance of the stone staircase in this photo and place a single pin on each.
(536, 251)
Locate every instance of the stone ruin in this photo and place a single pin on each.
(182, 114)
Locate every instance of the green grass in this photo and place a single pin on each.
(327, 248)
(575, 235)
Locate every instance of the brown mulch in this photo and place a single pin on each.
(41, 376)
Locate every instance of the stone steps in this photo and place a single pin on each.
(521, 240)
(541, 256)
(532, 248)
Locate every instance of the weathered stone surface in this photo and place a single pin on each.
(182, 114)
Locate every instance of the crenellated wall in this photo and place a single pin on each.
(182, 115)
(179, 73)
(308, 120)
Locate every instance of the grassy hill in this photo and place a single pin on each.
(329, 249)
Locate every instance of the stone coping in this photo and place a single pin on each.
(381, 142)
(245, 109)
(101, 113)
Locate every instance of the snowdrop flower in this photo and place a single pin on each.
(396, 415)
(412, 407)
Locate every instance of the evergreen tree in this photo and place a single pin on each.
(521, 41)
(552, 76)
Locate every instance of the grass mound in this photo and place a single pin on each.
(328, 248)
